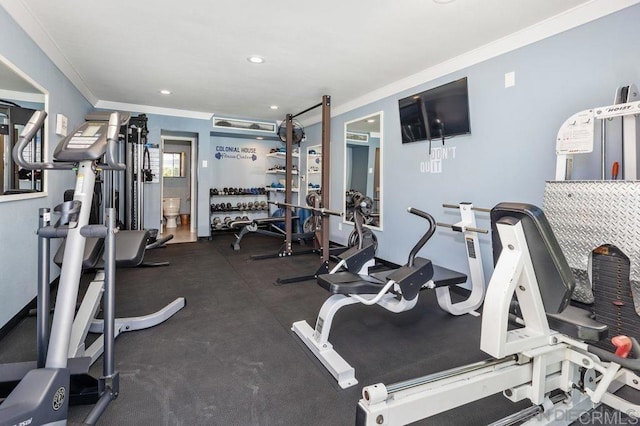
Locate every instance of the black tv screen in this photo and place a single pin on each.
(437, 113)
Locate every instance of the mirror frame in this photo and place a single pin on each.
(344, 169)
(30, 97)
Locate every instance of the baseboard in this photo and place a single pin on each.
(24, 312)
(17, 318)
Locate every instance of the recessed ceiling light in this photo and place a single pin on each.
(371, 120)
(274, 107)
(255, 59)
(443, 1)
(259, 138)
(165, 92)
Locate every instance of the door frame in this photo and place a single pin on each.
(193, 180)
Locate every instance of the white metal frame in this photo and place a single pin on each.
(317, 340)
(577, 133)
(476, 271)
(545, 361)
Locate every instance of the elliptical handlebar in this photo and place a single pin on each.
(28, 133)
(112, 138)
(425, 237)
(35, 123)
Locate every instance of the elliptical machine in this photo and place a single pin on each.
(42, 396)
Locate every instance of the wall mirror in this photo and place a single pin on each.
(363, 165)
(19, 98)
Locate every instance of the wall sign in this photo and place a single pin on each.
(235, 153)
(439, 155)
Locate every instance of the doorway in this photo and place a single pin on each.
(178, 183)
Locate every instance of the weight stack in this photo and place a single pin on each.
(613, 304)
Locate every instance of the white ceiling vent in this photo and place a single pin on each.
(253, 126)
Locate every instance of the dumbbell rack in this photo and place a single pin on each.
(234, 211)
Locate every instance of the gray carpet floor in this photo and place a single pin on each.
(230, 358)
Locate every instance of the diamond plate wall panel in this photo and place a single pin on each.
(587, 214)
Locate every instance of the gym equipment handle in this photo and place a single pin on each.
(425, 237)
(420, 213)
(460, 229)
(112, 138)
(30, 129)
(631, 364)
(457, 206)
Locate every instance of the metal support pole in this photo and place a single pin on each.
(326, 170)
(603, 149)
(287, 184)
(109, 293)
(69, 280)
(139, 182)
(129, 183)
(44, 293)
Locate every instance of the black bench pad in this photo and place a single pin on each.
(442, 277)
(577, 323)
(350, 283)
(130, 247)
(92, 253)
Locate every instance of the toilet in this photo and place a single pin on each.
(171, 210)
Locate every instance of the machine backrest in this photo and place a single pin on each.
(552, 271)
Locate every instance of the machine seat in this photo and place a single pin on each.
(130, 247)
(442, 277)
(410, 279)
(553, 275)
(92, 253)
(577, 323)
(350, 283)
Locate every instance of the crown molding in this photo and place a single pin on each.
(21, 13)
(557, 24)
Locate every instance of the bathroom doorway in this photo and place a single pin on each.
(178, 187)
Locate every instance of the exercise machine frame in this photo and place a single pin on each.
(42, 395)
(530, 362)
(322, 237)
(390, 296)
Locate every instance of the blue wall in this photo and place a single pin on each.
(19, 219)
(511, 151)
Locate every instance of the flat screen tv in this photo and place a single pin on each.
(438, 113)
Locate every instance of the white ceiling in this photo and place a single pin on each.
(123, 52)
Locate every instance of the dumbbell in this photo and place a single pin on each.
(217, 222)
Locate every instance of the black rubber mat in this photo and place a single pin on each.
(230, 357)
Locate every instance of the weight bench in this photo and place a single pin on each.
(395, 290)
(130, 247)
(265, 226)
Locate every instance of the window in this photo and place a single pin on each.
(173, 164)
